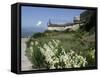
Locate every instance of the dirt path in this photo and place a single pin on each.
(25, 65)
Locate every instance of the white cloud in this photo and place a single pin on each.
(39, 23)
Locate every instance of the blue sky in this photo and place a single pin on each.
(37, 18)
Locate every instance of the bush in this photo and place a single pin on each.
(38, 35)
(90, 55)
(51, 55)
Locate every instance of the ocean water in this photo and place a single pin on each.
(28, 32)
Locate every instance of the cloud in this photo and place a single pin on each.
(39, 23)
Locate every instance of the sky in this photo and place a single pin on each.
(36, 18)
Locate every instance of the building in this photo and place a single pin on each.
(62, 27)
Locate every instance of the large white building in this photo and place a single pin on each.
(61, 27)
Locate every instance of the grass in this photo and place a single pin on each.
(80, 42)
(70, 40)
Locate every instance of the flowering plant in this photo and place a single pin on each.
(52, 55)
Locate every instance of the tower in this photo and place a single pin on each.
(49, 22)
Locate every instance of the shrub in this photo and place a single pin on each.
(38, 35)
(90, 55)
(51, 55)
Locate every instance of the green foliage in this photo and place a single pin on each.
(34, 55)
(57, 50)
(90, 55)
(38, 35)
(89, 18)
(51, 55)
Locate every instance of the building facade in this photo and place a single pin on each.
(65, 26)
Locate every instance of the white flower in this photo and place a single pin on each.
(72, 52)
(31, 50)
(32, 43)
(52, 67)
(76, 66)
(50, 51)
(36, 43)
(56, 44)
(51, 46)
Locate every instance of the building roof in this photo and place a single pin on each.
(60, 25)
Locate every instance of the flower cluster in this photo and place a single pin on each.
(52, 55)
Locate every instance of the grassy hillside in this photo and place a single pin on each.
(82, 43)
(70, 40)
